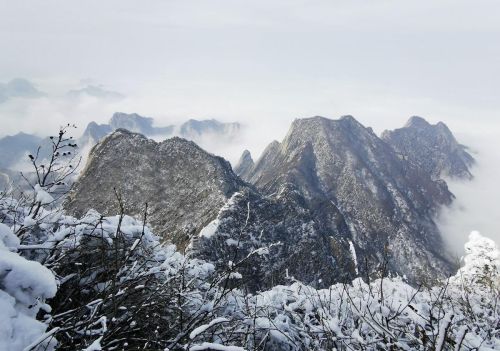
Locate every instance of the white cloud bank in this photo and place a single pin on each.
(477, 204)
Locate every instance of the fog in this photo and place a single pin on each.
(476, 206)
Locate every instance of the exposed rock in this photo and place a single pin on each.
(184, 185)
(331, 201)
(273, 240)
(357, 188)
(194, 129)
(195, 197)
(244, 165)
(94, 132)
(138, 124)
(432, 148)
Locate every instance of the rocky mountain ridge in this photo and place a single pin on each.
(358, 189)
(17, 147)
(330, 202)
(432, 148)
(184, 185)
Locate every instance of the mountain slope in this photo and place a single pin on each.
(356, 186)
(432, 148)
(194, 129)
(195, 198)
(183, 185)
(244, 165)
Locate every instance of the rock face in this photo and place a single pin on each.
(194, 129)
(138, 124)
(359, 190)
(244, 165)
(432, 148)
(184, 186)
(332, 201)
(194, 197)
(273, 240)
(15, 148)
(93, 133)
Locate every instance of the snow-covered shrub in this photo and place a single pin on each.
(384, 314)
(24, 287)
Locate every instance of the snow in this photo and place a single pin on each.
(29, 221)
(297, 316)
(212, 346)
(24, 287)
(481, 253)
(210, 230)
(7, 238)
(42, 196)
(231, 242)
(95, 346)
(204, 327)
(235, 275)
(352, 249)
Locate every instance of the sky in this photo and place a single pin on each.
(260, 62)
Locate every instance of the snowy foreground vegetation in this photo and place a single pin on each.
(112, 286)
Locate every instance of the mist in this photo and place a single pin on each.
(476, 206)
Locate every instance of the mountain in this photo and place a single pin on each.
(202, 205)
(273, 240)
(244, 165)
(15, 148)
(138, 124)
(194, 129)
(19, 88)
(182, 196)
(332, 201)
(93, 133)
(132, 122)
(358, 189)
(432, 148)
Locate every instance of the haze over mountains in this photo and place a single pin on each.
(16, 148)
(331, 189)
(331, 201)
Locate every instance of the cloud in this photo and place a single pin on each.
(19, 88)
(97, 91)
(477, 203)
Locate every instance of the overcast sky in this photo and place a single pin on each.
(268, 61)
(263, 63)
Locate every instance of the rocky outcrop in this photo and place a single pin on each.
(183, 185)
(274, 240)
(358, 189)
(432, 148)
(332, 201)
(138, 124)
(244, 165)
(195, 129)
(194, 197)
